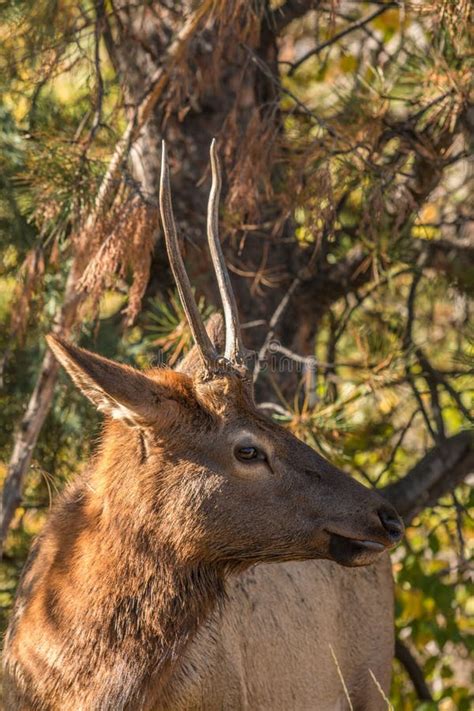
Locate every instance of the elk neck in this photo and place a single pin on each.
(117, 576)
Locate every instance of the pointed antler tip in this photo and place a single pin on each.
(164, 166)
(215, 163)
(213, 149)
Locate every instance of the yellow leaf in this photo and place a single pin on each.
(390, 20)
(348, 63)
(412, 603)
(110, 303)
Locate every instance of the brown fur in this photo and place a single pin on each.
(122, 604)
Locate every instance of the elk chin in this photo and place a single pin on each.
(353, 553)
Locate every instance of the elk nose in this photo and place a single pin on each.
(392, 523)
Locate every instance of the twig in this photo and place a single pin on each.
(407, 338)
(275, 319)
(346, 317)
(436, 407)
(412, 668)
(421, 404)
(397, 445)
(459, 528)
(98, 73)
(265, 69)
(275, 407)
(407, 344)
(305, 360)
(438, 377)
(108, 181)
(355, 26)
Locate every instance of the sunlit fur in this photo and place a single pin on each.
(138, 551)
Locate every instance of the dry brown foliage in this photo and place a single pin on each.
(452, 13)
(31, 273)
(249, 178)
(119, 241)
(234, 32)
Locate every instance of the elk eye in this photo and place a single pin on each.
(245, 454)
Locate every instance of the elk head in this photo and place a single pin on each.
(210, 474)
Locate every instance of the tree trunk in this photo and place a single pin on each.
(39, 405)
(25, 440)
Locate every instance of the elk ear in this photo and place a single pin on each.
(191, 362)
(116, 390)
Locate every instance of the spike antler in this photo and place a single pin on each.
(235, 353)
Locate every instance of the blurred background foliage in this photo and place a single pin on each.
(371, 154)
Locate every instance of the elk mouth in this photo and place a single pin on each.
(352, 551)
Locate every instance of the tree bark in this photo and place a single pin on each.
(25, 440)
(437, 473)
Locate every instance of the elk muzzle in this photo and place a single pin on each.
(358, 522)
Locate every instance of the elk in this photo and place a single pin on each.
(142, 591)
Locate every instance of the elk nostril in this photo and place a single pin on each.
(392, 523)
